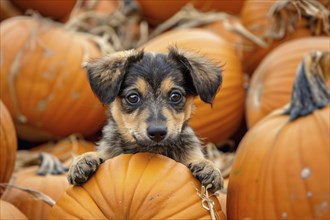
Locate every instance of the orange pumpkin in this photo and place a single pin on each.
(219, 122)
(254, 17)
(281, 169)
(66, 148)
(157, 11)
(51, 185)
(8, 211)
(53, 9)
(136, 186)
(43, 83)
(222, 197)
(221, 29)
(8, 144)
(271, 84)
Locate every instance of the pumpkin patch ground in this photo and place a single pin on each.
(267, 129)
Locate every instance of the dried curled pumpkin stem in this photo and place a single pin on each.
(284, 16)
(36, 194)
(111, 32)
(310, 91)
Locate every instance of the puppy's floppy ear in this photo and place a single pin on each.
(204, 76)
(106, 74)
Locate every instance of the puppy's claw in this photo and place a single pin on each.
(83, 167)
(207, 173)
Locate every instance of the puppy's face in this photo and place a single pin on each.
(151, 95)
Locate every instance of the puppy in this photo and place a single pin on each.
(150, 100)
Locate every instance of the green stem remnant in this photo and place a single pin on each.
(310, 91)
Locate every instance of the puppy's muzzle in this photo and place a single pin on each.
(156, 132)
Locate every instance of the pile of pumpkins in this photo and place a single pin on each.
(281, 169)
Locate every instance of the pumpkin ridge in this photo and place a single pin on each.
(60, 111)
(82, 204)
(178, 212)
(264, 167)
(78, 83)
(11, 80)
(68, 46)
(98, 186)
(38, 44)
(67, 208)
(169, 169)
(276, 204)
(136, 186)
(106, 198)
(302, 162)
(123, 198)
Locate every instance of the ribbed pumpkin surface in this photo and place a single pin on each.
(281, 169)
(9, 211)
(222, 120)
(271, 84)
(51, 185)
(43, 83)
(8, 144)
(139, 186)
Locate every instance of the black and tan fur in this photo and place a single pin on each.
(158, 122)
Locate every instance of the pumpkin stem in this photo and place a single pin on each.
(36, 194)
(285, 15)
(310, 91)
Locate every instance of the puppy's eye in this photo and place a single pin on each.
(175, 97)
(133, 98)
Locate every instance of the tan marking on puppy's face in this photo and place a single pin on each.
(176, 120)
(118, 116)
(142, 86)
(167, 85)
(132, 125)
(189, 107)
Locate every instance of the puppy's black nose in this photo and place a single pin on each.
(156, 132)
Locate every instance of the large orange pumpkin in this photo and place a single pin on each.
(219, 122)
(271, 84)
(9, 211)
(8, 144)
(43, 83)
(51, 185)
(281, 169)
(136, 186)
(254, 17)
(157, 11)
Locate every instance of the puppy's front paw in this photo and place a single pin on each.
(83, 167)
(207, 173)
